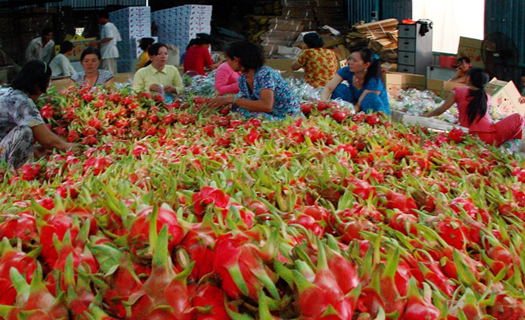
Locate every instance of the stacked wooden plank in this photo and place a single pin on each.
(380, 36)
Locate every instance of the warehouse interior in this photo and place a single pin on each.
(232, 19)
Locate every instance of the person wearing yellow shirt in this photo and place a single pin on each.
(158, 76)
(144, 45)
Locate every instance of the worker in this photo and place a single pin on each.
(21, 123)
(198, 57)
(92, 76)
(158, 76)
(109, 36)
(60, 65)
(41, 48)
(144, 56)
(263, 93)
(365, 89)
(473, 107)
(464, 66)
(320, 64)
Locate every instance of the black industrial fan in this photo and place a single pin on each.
(500, 55)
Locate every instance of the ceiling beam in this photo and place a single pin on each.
(20, 3)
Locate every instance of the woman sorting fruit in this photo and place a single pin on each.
(159, 76)
(198, 57)
(365, 87)
(320, 64)
(263, 92)
(473, 106)
(92, 76)
(226, 80)
(20, 119)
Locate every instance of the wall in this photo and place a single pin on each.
(449, 19)
(507, 16)
(19, 27)
(361, 10)
(399, 9)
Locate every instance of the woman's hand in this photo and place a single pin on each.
(170, 89)
(330, 87)
(444, 107)
(154, 88)
(219, 102)
(521, 100)
(76, 148)
(40, 152)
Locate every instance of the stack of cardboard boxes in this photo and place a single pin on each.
(331, 13)
(79, 45)
(471, 48)
(133, 23)
(284, 32)
(181, 24)
(300, 16)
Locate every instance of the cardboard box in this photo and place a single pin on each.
(394, 81)
(123, 77)
(505, 97)
(442, 88)
(448, 86)
(435, 86)
(290, 52)
(471, 48)
(79, 46)
(292, 74)
(414, 81)
(135, 46)
(61, 83)
(280, 64)
(329, 40)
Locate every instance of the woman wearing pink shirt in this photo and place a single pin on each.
(226, 80)
(473, 107)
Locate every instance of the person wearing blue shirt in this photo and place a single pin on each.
(365, 89)
(262, 90)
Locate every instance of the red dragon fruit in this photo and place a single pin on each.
(139, 234)
(165, 294)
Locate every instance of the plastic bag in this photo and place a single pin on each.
(302, 90)
(511, 147)
(415, 103)
(121, 85)
(200, 85)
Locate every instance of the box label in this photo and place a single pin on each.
(471, 48)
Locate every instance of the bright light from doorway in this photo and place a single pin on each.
(452, 19)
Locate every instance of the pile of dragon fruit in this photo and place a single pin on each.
(172, 211)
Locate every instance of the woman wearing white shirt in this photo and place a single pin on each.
(60, 65)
